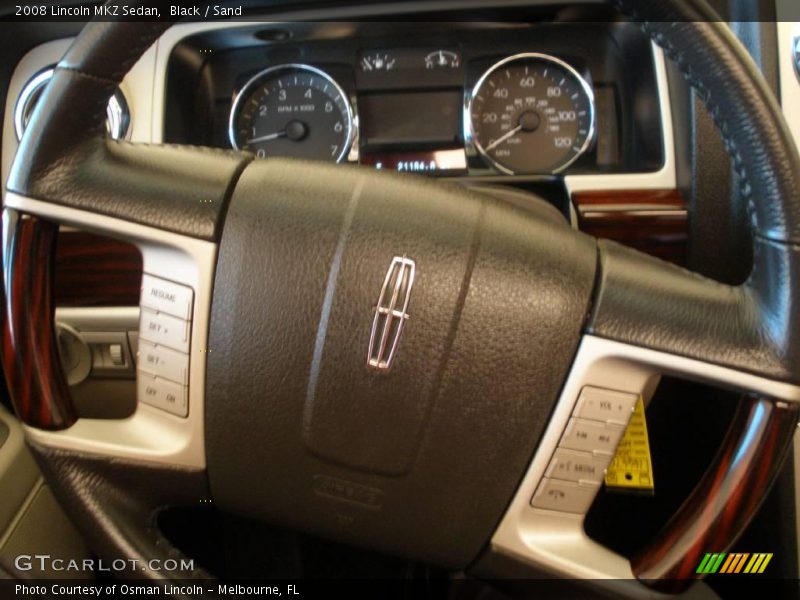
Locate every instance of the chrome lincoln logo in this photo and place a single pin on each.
(391, 313)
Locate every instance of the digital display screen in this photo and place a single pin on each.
(450, 162)
(410, 118)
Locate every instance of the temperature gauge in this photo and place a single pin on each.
(442, 59)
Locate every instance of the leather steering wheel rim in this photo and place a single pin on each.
(65, 161)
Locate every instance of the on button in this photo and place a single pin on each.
(163, 394)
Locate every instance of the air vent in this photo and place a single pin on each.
(117, 113)
(796, 54)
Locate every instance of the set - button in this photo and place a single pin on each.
(161, 361)
(164, 340)
(577, 467)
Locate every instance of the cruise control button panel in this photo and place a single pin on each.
(164, 336)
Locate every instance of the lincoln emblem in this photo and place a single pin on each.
(391, 313)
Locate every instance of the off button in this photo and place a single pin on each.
(163, 394)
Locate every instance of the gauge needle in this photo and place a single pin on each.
(266, 138)
(502, 139)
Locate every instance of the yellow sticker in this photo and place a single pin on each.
(632, 469)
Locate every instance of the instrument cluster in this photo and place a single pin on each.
(529, 113)
(476, 100)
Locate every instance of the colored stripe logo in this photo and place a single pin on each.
(735, 562)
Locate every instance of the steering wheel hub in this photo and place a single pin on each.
(415, 459)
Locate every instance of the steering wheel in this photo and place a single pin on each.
(390, 361)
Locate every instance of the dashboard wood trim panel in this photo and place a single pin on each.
(92, 270)
(653, 221)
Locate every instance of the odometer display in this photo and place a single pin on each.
(531, 113)
(292, 110)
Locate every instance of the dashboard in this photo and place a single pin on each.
(465, 99)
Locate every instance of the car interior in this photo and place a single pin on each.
(442, 299)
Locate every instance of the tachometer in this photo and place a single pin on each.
(531, 113)
(292, 110)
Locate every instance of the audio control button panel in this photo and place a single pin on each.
(578, 466)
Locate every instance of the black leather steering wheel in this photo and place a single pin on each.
(511, 317)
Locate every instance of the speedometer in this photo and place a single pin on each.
(292, 110)
(531, 113)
